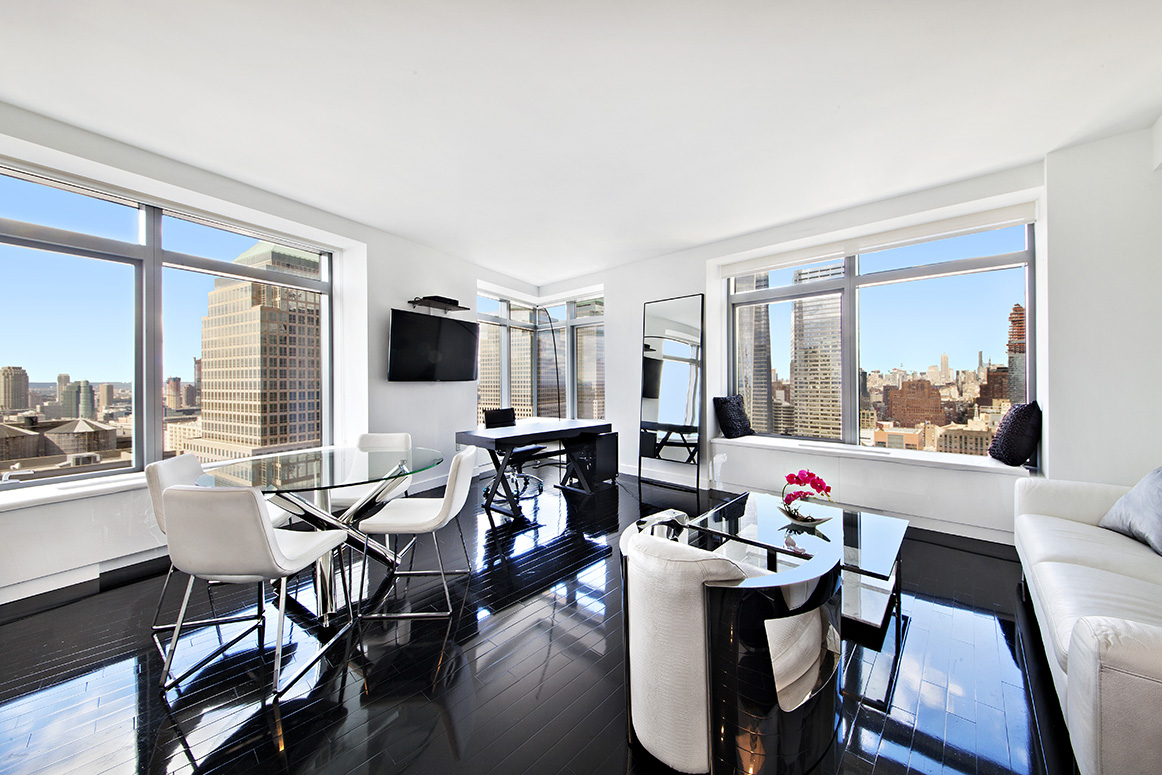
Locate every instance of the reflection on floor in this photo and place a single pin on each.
(526, 678)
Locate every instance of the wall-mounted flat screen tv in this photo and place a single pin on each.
(428, 348)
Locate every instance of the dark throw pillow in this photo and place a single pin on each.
(732, 417)
(1018, 434)
(1138, 513)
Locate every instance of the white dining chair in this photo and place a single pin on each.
(343, 498)
(224, 534)
(417, 516)
(160, 475)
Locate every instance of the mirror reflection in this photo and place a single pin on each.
(672, 379)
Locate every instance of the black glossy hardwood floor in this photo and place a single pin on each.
(526, 678)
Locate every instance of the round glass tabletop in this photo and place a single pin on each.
(322, 468)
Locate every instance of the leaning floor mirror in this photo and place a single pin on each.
(671, 414)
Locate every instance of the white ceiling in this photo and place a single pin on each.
(547, 139)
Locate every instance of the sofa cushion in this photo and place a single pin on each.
(1040, 538)
(1068, 592)
(1138, 513)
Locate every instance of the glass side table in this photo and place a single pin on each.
(753, 528)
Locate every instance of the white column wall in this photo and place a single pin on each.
(1104, 319)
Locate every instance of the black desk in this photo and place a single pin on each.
(500, 443)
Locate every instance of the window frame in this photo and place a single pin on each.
(148, 258)
(851, 281)
(565, 330)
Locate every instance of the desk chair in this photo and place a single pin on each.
(182, 469)
(522, 485)
(343, 498)
(224, 534)
(415, 516)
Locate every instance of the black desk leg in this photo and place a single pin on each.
(573, 468)
(500, 480)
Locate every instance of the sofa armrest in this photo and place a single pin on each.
(1114, 695)
(1080, 501)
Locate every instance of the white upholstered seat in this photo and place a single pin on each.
(415, 516)
(159, 476)
(224, 534)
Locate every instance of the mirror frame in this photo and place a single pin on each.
(699, 409)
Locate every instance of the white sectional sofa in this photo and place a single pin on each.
(1097, 595)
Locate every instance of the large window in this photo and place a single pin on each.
(542, 361)
(918, 345)
(133, 332)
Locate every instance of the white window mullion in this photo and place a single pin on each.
(148, 398)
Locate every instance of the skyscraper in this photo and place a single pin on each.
(520, 371)
(590, 367)
(173, 393)
(754, 356)
(945, 376)
(816, 369)
(261, 361)
(197, 382)
(62, 380)
(104, 396)
(79, 401)
(13, 388)
(488, 370)
(1016, 349)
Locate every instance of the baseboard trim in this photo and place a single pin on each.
(110, 579)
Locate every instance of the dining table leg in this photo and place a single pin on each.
(321, 519)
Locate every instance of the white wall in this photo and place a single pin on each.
(1104, 319)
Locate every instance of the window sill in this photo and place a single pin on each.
(906, 457)
(40, 495)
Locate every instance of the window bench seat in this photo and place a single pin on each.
(962, 495)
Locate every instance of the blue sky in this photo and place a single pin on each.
(65, 314)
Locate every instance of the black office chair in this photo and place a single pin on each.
(523, 485)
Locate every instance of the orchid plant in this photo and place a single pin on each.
(803, 478)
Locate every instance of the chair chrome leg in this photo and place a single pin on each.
(443, 578)
(441, 572)
(161, 599)
(177, 629)
(158, 629)
(280, 691)
(278, 644)
(258, 611)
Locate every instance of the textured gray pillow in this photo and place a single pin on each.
(1138, 513)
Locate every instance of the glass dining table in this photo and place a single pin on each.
(301, 482)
